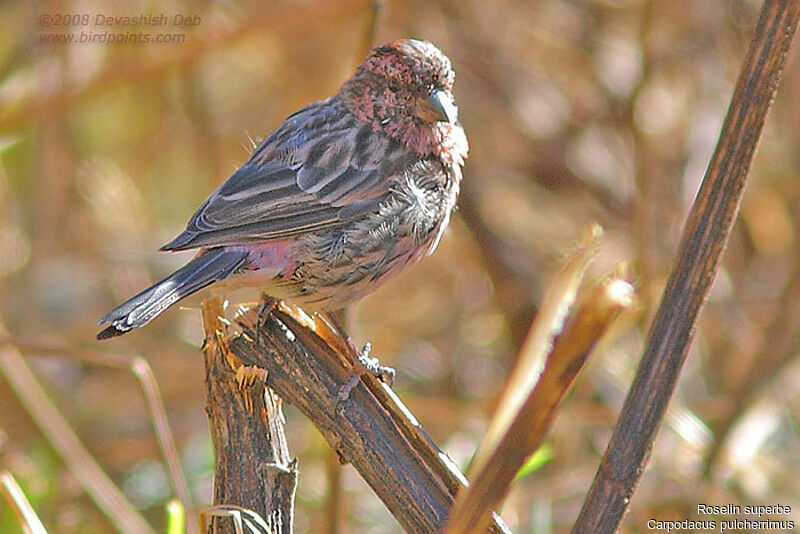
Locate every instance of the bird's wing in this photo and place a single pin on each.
(319, 169)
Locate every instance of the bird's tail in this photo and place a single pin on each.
(211, 266)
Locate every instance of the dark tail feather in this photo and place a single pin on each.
(212, 266)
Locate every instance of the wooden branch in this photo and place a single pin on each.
(368, 427)
(253, 469)
(703, 241)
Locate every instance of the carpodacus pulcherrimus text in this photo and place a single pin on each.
(338, 198)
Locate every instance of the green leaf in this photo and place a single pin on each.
(535, 461)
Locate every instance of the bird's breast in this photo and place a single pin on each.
(341, 265)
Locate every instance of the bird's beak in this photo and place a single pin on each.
(438, 106)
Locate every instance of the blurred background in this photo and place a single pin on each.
(576, 112)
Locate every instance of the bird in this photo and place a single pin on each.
(339, 197)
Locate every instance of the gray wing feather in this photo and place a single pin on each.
(319, 169)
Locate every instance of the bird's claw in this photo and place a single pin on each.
(372, 366)
(365, 365)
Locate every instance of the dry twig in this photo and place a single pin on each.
(253, 470)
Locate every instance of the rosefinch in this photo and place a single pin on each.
(338, 198)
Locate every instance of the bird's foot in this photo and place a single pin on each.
(372, 366)
(364, 364)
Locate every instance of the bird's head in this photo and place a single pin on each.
(404, 89)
